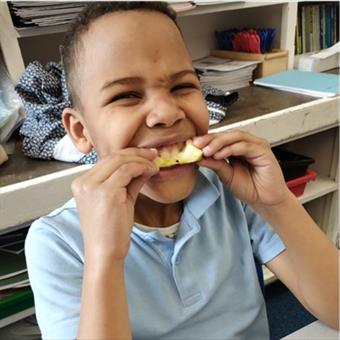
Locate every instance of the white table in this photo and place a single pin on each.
(314, 331)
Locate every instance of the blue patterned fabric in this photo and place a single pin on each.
(44, 94)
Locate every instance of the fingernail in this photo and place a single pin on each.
(207, 151)
(154, 168)
(197, 140)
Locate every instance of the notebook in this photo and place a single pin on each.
(309, 83)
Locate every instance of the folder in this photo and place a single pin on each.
(309, 83)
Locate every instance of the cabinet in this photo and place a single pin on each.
(305, 124)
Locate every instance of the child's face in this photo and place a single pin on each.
(138, 88)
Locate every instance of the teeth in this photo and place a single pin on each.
(165, 154)
(170, 150)
(175, 154)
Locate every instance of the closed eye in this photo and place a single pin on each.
(184, 86)
(126, 95)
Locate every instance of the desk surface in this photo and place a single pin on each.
(314, 331)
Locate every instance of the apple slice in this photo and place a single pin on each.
(190, 154)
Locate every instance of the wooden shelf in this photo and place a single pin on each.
(199, 10)
(318, 188)
(281, 125)
(16, 317)
(36, 31)
(228, 6)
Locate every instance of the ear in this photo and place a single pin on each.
(75, 126)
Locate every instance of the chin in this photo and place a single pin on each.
(168, 189)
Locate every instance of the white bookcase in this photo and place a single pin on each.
(310, 127)
(198, 26)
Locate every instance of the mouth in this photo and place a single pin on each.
(177, 154)
(170, 150)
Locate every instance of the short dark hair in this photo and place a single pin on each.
(81, 24)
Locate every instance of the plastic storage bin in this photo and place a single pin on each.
(297, 185)
(292, 165)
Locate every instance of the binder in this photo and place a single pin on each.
(16, 302)
(308, 83)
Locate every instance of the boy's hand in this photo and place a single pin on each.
(105, 197)
(246, 165)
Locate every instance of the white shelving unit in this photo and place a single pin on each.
(311, 127)
(279, 14)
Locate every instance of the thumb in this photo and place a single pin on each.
(137, 183)
(223, 169)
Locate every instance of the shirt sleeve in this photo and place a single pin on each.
(55, 273)
(265, 242)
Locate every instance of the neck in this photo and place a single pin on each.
(155, 214)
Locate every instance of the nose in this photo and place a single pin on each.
(164, 112)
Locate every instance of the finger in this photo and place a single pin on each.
(201, 141)
(106, 167)
(213, 144)
(255, 154)
(149, 154)
(123, 176)
(221, 167)
(137, 184)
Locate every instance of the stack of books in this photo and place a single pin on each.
(225, 74)
(317, 26)
(13, 270)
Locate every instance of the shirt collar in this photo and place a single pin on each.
(203, 196)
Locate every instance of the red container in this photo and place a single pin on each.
(297, 185)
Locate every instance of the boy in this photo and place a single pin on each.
(153, 253)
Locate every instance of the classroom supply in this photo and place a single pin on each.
(246, 40)
(268, 63)
(11, 265)
(17, 301)
(225, 74)
(317, 26)
(293, 165)
(297, 186)
(320, 61)
(308, 83)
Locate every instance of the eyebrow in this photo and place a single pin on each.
(134, 80)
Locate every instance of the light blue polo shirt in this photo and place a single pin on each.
(202, 285)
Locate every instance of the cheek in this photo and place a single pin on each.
(199, 115)
(113, 133)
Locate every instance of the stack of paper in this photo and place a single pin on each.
(225, 74)
(309, 83)
(319, 61)
(13, 270)
(47, 13)
(27, 14)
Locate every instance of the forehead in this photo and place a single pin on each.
(134, 41)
